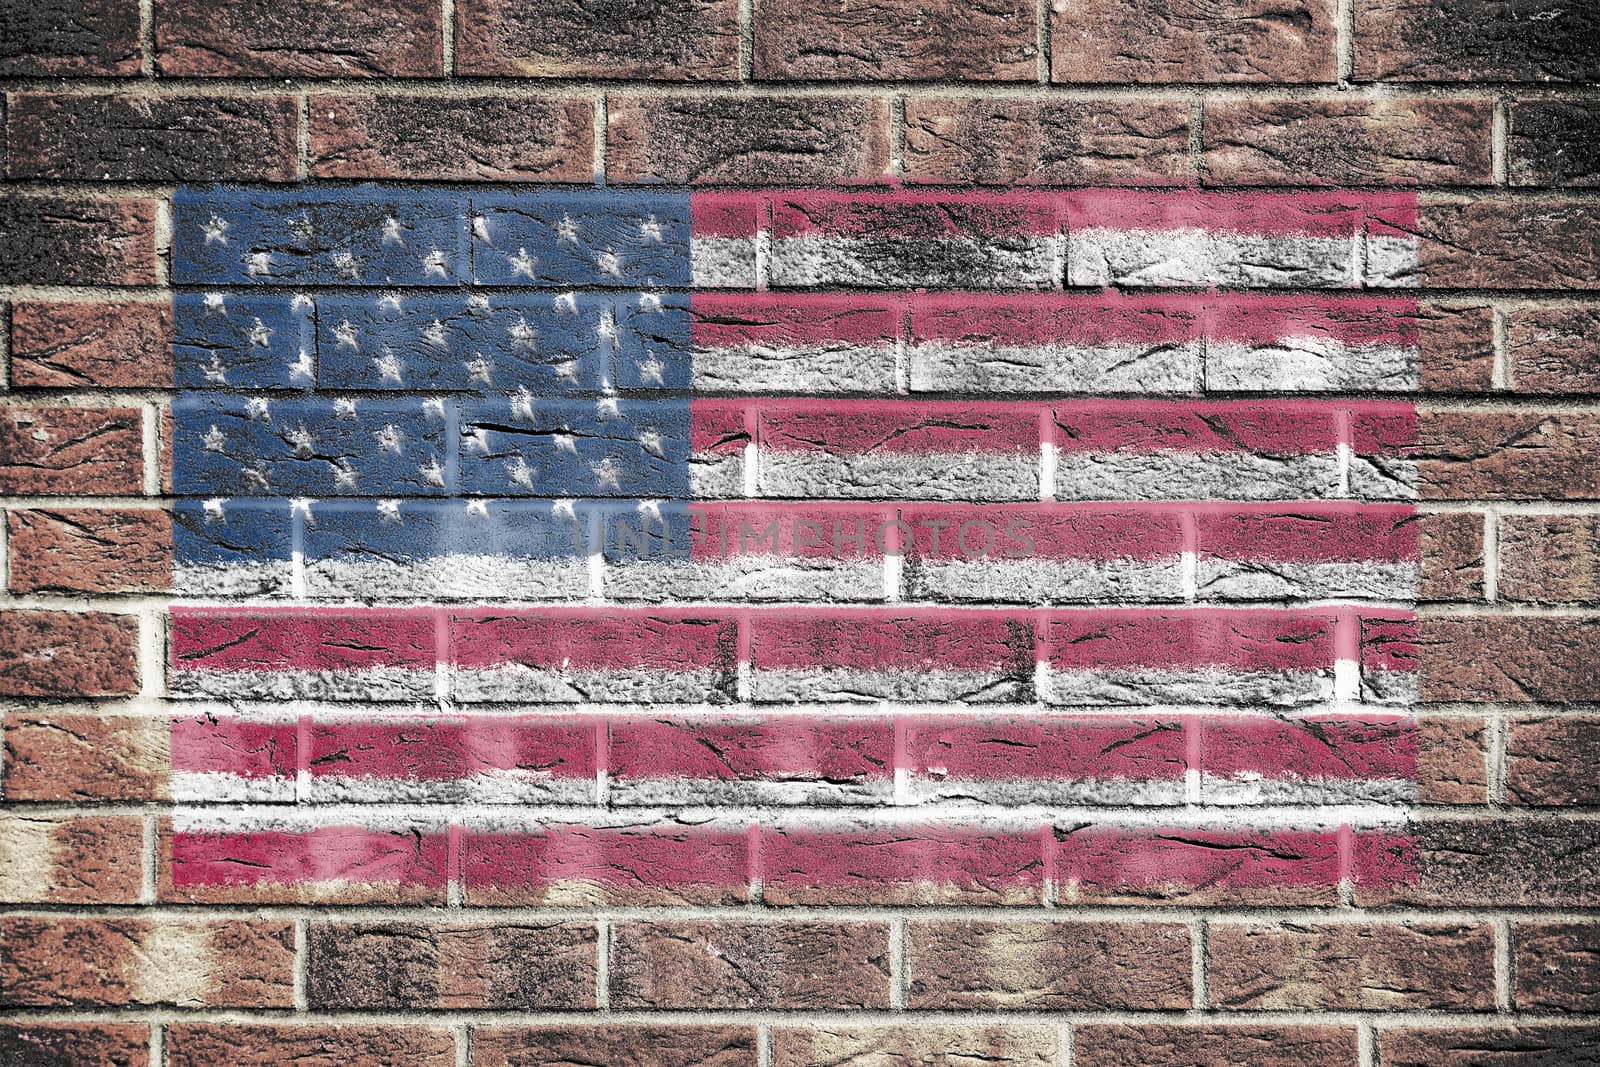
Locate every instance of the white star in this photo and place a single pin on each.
(390, 439)
(476, 439)
(606, 407)
(650, 230)
(390, 302)
(259, 264)
(436, 262)
(344, 474)
(216, 373)
(522, 263)
(607, 327)
(520, 473)
(607, 474)
(344, 408)
(347, 265)
(216, 230)
(213, 509)
(609, 263)
(477, 304)
(650, 509)
(260, 335)
(479, 369)
(434, 334)
(302, 227)
(432, 473)
(522, 404)
(566, 509)
(567, 301)
(257, 474)
(300, 437)
(433, 407)
(391, 232)
(301, 302)
(388, 366)
(478, 507)
(567, 230)
(565, 442)
(344, 335)
(214, 305)
(257, 408)
(567, 369)
(390, 510)
(301, 505)
(523, 335)
(652, 370)
(649, 302)
(650, 440)
(303, 367)
(214, 440)
(480, 229)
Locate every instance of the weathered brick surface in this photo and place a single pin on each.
(69, 37)
(1557, 966)
(57, 962)
(1500, 1046)
(1509, 244)
(63, 654)
(1542, 863)
(151, 138)
(746, 140)
(1452, 760)
(1550, 558)
(72, 860)
(1214, 1046)
(89, 550)
(677, 40)
(388, 966)
(55, 451)
(1554, 142)
(1508, 455)
(887, 40)
(1019, 1045)
(45, 1044)
(1388, 967)
(1551, 762)
(1476, 41)
(50, 240)
(621, 1046)
(1509, 658)
(299, 38)
(69, 344)
(476, 138)
(1347, 142)
(207, 1044)
(995, 141)
(1554, 349)
(1234, 41)
(1451, 545)
(62, 756)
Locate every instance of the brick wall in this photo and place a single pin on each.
(1486, 108)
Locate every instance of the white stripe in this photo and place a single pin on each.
(1310, 364)
(1194, 476)
(1188, 257)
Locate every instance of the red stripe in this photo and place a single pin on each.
(324, 854)
(507, 862)
(1351, 319)
(1324, 533)
(724, 214)
(1331, 214)
(1389, 642)
(580, 638)
(802, 530)
(1018, 748)
(898, 426)
(1385, 428)
(446, 750)
(725, 320)
(720, 426)
(231, 745)
(1053, 531)
(1317, 747)
(1150, 426)
(844, 749)
(1246, 640)
(334, 639)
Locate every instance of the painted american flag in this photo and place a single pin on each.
(597, 545)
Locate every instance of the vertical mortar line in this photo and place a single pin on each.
(463, 1038)
(149, 859)
(747, 40)
(1197, 121)
(1491, 555)
(163, 237)
(150, 442)
(302, 948)
(1068, 1040)
(5, 551)
(1499, 755)
(602, 119)
(152, 652)
(1366, 1044)
(147, 41)
(899, 959)
(897, 135)
(1344, 16)
(602, 964)
(158, 1043)
(1041, 17)
(447, 34)
(1500, 374)
(1199, 960)
(1499, 134)
(764, 1045)
(302, 138)
(1504, 965)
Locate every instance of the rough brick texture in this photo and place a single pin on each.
(69, 344)
(90, 241)
(890, 40)
(300, 38)
(89, 550)
(679, 40)
(1237, 41)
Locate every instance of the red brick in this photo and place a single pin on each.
(614, 1046)
(89, 550)
(1452, 761)
(1501, 1046)
(1215, 1046)
(117, 137)
(1551, 762)
(1509, 658)
(915, 1046)
(477, 138)
(1557, 967)
(1554, 143)
(1476, 41)
(68, 654)
(967, 964)
(52, 240)
(65, 344)
(1497, 863)
(765, 965)
(1508, 455)
(1160, 41)
(239, 1045)
(746, 140)
(55, 451)
(1451, 546)
(51, 961)
(1554, 349)
(1348, 966)
(1455, 347)
(1509, 244)
(1550, 558)
(79, 757)
(36, 1044)
(895, 40)
(299, 38)
(78, 860)
(1395, 141)
(1002, 141)
(676, 40)
(389, 966)
(69, 37)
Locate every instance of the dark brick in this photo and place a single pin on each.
(240, 1045)
(1509, 658)
(1508, 1046)
(1501, 455)
(614, 1046)
(747, 140)
(1554, 142)
(151, 138)
(49, 240)
(896, 40)
(1002, 141)
(676, 40)
(1114, 41)
(1550, 558)
(1347, 142)
(1452, 761)
(55, 451)
(1554, 349)
(89, 550)
(1451, 546)
(299, 38)
(1475, 41)
(68, 654)
(1455, 347)
(1348, 966)
(74, 1044)
(66, 344)
(818, 965)
(69, 37)
(1049, 966)
(1499, 863)
(479, 138)
(1214, 1046)
(1557, 967)
(1552, 762)
(1509, 244)
(64, 756)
